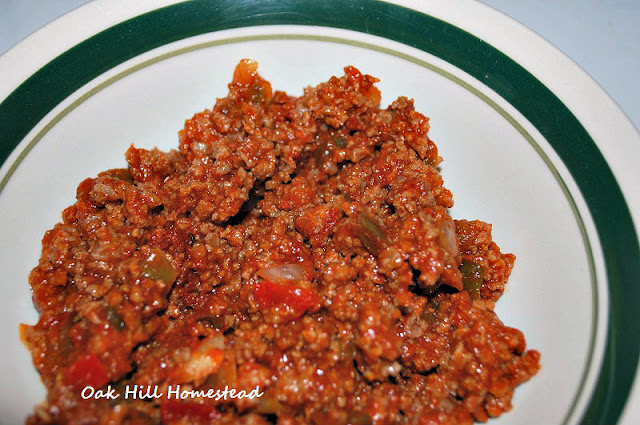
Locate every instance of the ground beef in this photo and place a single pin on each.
(299, 244)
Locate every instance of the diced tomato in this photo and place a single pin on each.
(24, 330)
(297, 299)
(246, 72)
(82, 192)
(88, 370)
(255, 88)
(172, 410)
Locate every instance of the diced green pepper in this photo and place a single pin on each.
(325, 148)
(371, 234)
(123, 174)
(472, 278)
(115, 319)
(321, 152)
(158, 266)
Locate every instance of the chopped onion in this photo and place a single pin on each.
(447, 237)
(285, 272)
(212, 343)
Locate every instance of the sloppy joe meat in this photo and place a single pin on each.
(299, 244)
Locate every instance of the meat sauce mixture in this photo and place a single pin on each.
(299, 244)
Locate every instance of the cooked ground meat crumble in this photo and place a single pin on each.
(299, 244)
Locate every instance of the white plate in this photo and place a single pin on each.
(517, 155)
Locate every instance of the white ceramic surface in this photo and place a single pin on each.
(490, 165)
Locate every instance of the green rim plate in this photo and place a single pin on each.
(21, 111)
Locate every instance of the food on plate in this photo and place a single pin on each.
(297, 251)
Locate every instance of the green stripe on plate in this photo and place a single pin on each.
(49, 86)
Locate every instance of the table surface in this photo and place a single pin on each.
(599, 35)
